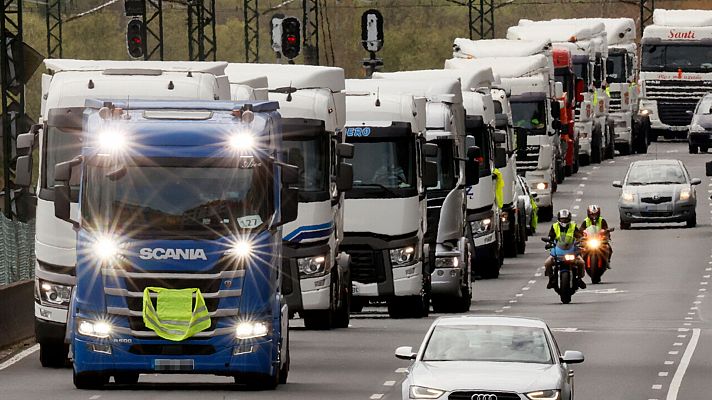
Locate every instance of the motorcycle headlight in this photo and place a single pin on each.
(446, 262)
(628, 197)
(54, 294)
(569, 257)
(403, 256)
(96, 329)
(481, 226)
(251, 329)
(593, 243)
(421, 392)
(685, 194)
(312, 267)
(544, 395)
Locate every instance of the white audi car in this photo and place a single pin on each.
(489, 358)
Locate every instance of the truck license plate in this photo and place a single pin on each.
(174, 365)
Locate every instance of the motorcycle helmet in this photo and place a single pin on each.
(563, 217)
(594, 212)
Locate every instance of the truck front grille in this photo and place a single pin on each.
(527, 158)
(674, 113)
(675, 97)
(615, 103)
(367, 266)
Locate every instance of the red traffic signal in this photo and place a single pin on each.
(135, 34)
(291, 37)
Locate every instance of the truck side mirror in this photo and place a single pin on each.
(430, 150)
(473, 153)
(23, 171)
(555, 109)
(430, 174)
(472, 166)
(290, 174)
(25, 141)
(345, 150)
(499, 137)
(580, 89)
(345, 177)
(500, 158)
(556, 124)
(62, 202)
(289, 205)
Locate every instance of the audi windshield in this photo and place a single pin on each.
(178, 196)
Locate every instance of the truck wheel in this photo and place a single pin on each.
(703, 149)
(343, 311)
(53, 355)
(284, 371)
(126, 378)
(693, 149)
(546, 214)
(584, 160)
(89, 380)
(522, 241)
(569, 170)
(510, 243)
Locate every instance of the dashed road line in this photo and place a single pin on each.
(376, 396)
(674, 387)
(389, 383)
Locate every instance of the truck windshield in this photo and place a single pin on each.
(529, 115)
(581, 71)
(61, 145)
(311, 156)
(671, 57)
(483, 140)
(447, 165)
(566, 78)
(617, 73)
(385, 163)
(183, 197)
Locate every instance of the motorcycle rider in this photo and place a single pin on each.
(593, 217)
(563, 230)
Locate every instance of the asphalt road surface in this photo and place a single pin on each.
(645, 330)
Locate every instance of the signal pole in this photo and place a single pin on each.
(153, 24)
(202, 41)
(252, 31)
(481, 13)
(310, 31)
(53, 17)
(646, 13)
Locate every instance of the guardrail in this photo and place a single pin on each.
(17, 251)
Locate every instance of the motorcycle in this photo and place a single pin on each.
(595, 252)
(564, 267)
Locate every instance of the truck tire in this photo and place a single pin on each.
(522, 239)
(53, 355)
(596, 148)
(89, 380)
(546, 214)
(584, 160)
(693, 149)
(510, 243)
(342, 316)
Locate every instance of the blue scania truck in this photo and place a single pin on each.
(179, 241)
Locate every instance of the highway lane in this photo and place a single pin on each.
(635, 328)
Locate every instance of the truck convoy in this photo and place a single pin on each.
(65, 87)
(316, 281)
(385, 216)
(179, 242)
(676, 70)
(527, 81)
(586, 43)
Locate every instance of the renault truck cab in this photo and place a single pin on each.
(66, 85)
(316, 280)
(385, 216)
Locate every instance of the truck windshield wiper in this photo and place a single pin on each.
(378, 185)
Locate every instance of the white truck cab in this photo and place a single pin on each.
(385, 216)
(316, 280)
(529, 86)
(66, 85)
(675, 71)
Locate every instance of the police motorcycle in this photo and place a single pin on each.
(595, 249)
(564, 255)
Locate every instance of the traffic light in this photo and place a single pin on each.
(291, 37)
(135, 35)
(372, 30)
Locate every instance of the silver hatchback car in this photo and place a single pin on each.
(657, 191)
(487, 358)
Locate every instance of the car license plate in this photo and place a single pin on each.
(659, 207)
(173, 365)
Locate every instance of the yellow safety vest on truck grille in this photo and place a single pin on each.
(174, 317)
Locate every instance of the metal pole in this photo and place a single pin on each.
(153, 23)
(201, 45)
(53, 17)
(646, 13)
(310, 31)
(252, 31)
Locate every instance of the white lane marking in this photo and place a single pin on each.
(687, 323)
(506, 307)
(682, 329)
(96, 396)
(681, 336)
(519, 294)
(673, 353)
(700, 296)
(538, 274)
(677, 344)
(662, 373)
(566, 330)
(706, 276)
(578, 199)
(688, 318)
(376, 396)
(531, 282)
(576, 207)
(655, 387)
(584, 185)
(694, 308)
(525, 288)
(401, 370)
(682, 367)
(696, 302)
(669, 362)
(579, 193)
(702, 290)
(19, 356)
(703, 283)
(499, 311)
(389, 383)
(709, 269)
(585, 178)
(611, 162)
(596, 167)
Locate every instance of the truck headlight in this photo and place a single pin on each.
(97, 329)
(544, 395)
(644, 112)
(251, 329)
(446, 262)
(106, 248)
(421, 392)
(402, 256)
(240, 249)
(542, 186)
(685, 194)
(242, 141)
(481, 226)
(54, 294)
(312, 267)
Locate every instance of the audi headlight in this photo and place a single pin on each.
(251, 330)
(312, 267)
(54, 294)
(403, 256)
(421, 392)
(685, 194)
(481, 227)
(628, 197)
(446, 262)
(97, 329)
(544, 395)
